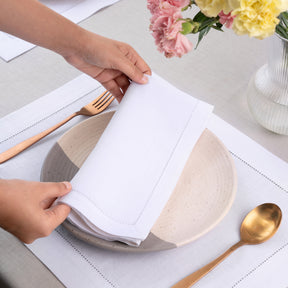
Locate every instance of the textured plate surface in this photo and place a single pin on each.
(202, 197)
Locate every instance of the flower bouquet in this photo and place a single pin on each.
(256, 18)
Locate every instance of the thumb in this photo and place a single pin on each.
(51, 191)
(57, 214)
(55, 189)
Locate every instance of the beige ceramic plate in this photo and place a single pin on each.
(202, 197)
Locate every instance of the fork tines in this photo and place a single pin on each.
(105, 99)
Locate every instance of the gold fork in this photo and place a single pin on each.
(93, 108)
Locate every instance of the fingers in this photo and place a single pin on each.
(117, 63)
(54, 190)
(141, 64)
(117, 86)
(131, 64)
(51, 191)
(132, 71)
(113, 87)
(53, 217)
(57, 214)
(26, 208)
(123, 82)
(44, 224)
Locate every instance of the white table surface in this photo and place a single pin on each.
(222, 61)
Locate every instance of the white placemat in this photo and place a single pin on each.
(262, 177)
(74, 10)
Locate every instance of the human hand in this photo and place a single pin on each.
(110, 62)
(25, 208)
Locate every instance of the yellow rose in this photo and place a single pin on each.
(257, 18)
(212, 8)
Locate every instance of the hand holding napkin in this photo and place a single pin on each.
(125, 182)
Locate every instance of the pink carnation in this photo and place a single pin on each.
(226, 19)
(166, 26)
(153, 6)
(179, 3)
(177, 46)
(161, 7)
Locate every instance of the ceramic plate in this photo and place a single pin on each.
(202, 197)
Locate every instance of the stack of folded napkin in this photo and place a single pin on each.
(125, 182)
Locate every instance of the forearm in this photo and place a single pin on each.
(110, 62)
(34, 22)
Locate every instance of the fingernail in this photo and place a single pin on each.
(148, 73)
(68, 185)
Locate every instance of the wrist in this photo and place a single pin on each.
(80, 49)
(71, 43)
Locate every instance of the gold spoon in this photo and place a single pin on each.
(259, 225)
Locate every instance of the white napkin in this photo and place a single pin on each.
(124, 184)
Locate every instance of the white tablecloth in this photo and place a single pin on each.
(262, 177)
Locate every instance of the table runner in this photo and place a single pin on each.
(262, 177)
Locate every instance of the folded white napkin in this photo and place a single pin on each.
(124, 184)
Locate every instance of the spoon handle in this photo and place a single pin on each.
(191, 279)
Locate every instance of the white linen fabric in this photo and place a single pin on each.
(144, 148)
(262, 177)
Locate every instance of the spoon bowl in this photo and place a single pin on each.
(259, 225)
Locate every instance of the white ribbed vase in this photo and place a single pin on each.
(267, 92)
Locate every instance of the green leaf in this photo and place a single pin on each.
(282, 27)
(284, 18)
(217, 28)
(282, 32)
(202, 33)
(219, 25)
(208, 23)
(200, 17)
(285, 21)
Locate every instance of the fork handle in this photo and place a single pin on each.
(18, 148)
